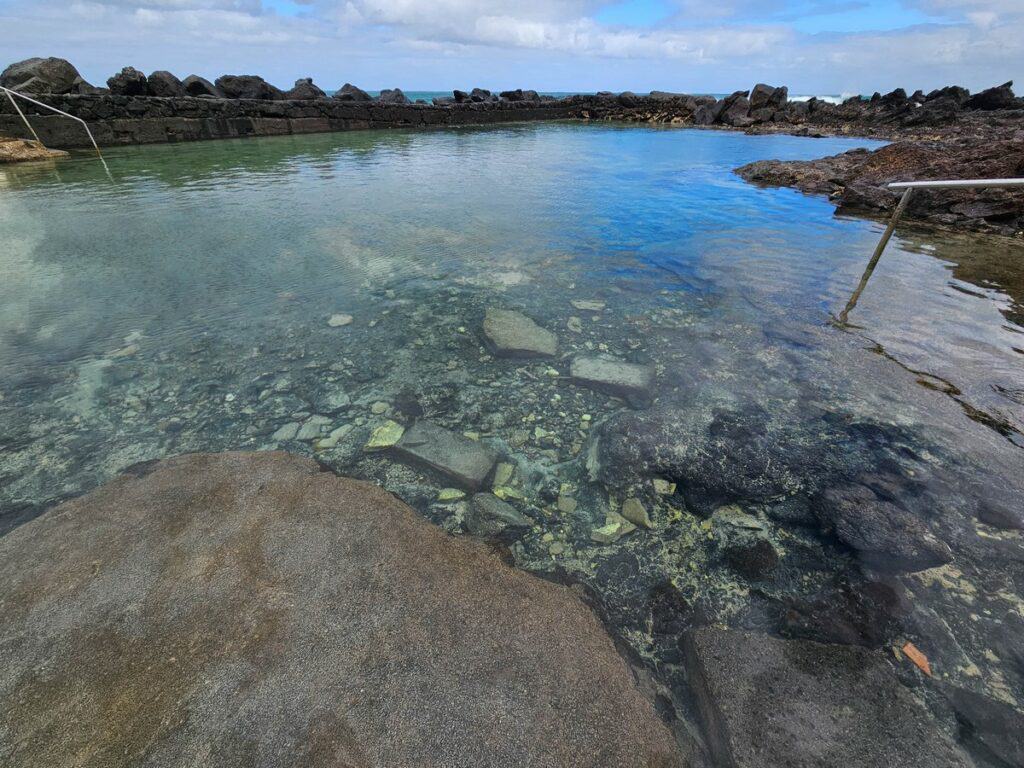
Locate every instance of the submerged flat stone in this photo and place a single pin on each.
(513, 334)
(633, 382)
(490, 517)
(466, 462)
(780, 703)
(249, 609)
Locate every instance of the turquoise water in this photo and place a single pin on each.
(183, 304)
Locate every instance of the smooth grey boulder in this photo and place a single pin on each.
(491, 518)
(248, 87)
(163, 83)
(128, 82)
(38, 76)
(249, 609)
(349, 92)
(393, 96)
(305, 90)
(796, 703)
(885, 536)
(634, 383)
(195, 85)
(512, 334)
(466, 462)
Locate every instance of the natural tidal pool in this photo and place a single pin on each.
(316, 294)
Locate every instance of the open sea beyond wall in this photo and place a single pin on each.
(184, 303)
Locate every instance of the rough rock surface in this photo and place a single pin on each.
(512, 334)
(129, 82)
(247, 87)
(249, 609)
(163, 83)
(38, 76)
(467, 462)
(885, 537)
(305, 90)
(195, 85)
(25, 150)
(856, 180)
(627, 380)
(349, 92)
(393, 96)
(779, 703)
(491, 518)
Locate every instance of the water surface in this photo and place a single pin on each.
(183, 305)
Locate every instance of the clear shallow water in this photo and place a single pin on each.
(184, 306)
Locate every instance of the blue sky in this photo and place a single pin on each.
(814, 46)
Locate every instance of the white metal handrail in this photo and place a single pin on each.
(11, 94)
(908, 188)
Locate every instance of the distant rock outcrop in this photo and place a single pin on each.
(39, 76)
(304, 90)
(248, 87)
(349, 92)
(129, 82)
(393, 96)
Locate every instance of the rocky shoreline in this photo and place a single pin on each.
(948, 133)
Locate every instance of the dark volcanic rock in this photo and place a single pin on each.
(129, 82)
(991, 728)
(1000, 514)
(162, 83)
(1000, 97)
(886, 537)
(857, 180)
(520, 95)
(349, 92)
(766, 96)
(249, 609)
(393, 96)
(735, 110)
(195, 85)
(481, 94)
(781, 703)
(304, 90)
(247, 87)
(38, 76)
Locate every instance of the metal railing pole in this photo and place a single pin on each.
(11, 94)
(23, 118)
(908, 187)
(877, 255)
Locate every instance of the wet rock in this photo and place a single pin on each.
(634, 511)
(305, 90)
(128, 82)
(340, 319)
(634, 383)
(849, 613)
(38, 76)
(393, 96)
(26, 150)
(744, 543)
(766, 701)
(588, 305)
(466, 462)
(885, 536)
(492, 518)
(163, 83)
(385, 436)
(1000, 97)
(990, 728)
(1001, 515)
(247, 87)
(513, 334)
(614, 528)
(226, 609)
(195, 85)
(287, 432)
(349, 92)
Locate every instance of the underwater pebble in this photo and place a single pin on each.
(339, 320)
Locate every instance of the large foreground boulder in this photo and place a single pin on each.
(781, 703)
(36, 76)
(249, 609)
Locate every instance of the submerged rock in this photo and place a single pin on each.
(466, 462)
(490, 517)
(771, 702)
(241, 609)
(630, 381)
(885, 537)
(513, 334)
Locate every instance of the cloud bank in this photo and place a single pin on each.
(694, 45)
